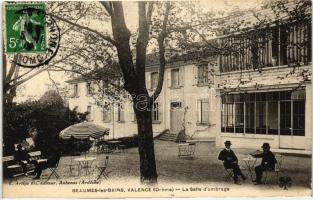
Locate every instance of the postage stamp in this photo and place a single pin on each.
(31, 34)
(25, 28)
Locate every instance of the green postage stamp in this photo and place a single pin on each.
(25, 28)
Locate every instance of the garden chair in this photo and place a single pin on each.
(228, 173)
(122, 148)
(103, 168)
(53, 167)
(186, 150)
(277, 169)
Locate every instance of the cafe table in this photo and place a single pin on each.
(250, 163)
(85, 163)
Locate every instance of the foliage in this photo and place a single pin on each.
(131, 141)
(75, 146)
(47, 117)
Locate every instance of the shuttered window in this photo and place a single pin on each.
(203, 111)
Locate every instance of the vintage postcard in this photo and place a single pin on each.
(114, 99)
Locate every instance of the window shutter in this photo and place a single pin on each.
(205, 111)
(109, 115)
(195, 75)
(160, 112)
(169, 81)
(122, 113)
(210, 72)
(148, 80)
(199, 110)
(72, 89)
(93, 113)
(181, 76)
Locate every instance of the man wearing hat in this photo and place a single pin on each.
(267, 164)
(230, 161)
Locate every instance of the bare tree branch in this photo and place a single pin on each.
(105, 37)
(108, 6)
(53, 82)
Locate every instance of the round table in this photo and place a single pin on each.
(250, 162)
(85, 163)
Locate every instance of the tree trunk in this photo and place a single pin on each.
(148, 173)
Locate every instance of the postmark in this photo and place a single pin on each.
(31, 34)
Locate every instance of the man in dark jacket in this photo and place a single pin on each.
(22, 157)
(230, 161)
(267, 164)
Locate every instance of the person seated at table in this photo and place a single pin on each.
(51, 161)
(267, 164)
(22, 157)
(230, 161)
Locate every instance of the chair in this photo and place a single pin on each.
(186, 150)
(103, 168)
(53, 167)
(228, 173)
(122, 148)
(105, 149)
(277, 169)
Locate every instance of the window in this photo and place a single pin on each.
(88, 117)
(281, 45)
(275, 46)
(175, 78)
(154, 79)
(298, 117)
(89, 88)
(155, 112)
(106, 113)
(203, 111)
(269, 113)
(120, 113)
(75, 92)
(203, 75)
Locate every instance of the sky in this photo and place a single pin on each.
(36, 87)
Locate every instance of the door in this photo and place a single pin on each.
(176, 117)
(291, 125)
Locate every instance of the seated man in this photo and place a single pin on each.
(267, 164)
(52, 160)
(22, 157)
(230, 161)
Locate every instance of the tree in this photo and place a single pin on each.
(172, 29)
(47, 117)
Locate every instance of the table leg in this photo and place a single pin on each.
(249, 169)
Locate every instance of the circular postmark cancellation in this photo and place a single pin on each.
(31, 34)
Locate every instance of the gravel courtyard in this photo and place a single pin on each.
(204, 168)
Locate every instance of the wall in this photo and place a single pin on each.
(188, 93)
(269, 79)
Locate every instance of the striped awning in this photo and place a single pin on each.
(84, 130)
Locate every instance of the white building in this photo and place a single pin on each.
(228, 97)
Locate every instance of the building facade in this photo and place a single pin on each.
(262, 93)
